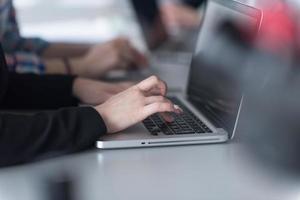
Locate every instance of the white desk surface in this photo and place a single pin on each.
(221, 171)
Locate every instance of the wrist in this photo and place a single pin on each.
(105, 116)
(54, 66)
(77, 65)
(77, 88)
(68, 66)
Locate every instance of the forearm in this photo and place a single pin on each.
(55, 50)
(38, 92)
(24, 138)
(70, 66)
(55, 66)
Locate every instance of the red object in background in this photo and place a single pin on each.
(278, 28)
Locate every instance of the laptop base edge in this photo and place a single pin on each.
(160, 142)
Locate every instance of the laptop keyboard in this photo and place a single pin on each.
(185, 123)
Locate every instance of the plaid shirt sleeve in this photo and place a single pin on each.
(11, 38)
(23, 62)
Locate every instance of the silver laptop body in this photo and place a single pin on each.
(202, 98)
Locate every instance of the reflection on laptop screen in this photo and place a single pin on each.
(151, 23)
(212, 89)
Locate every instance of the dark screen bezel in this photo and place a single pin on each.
(236, 6)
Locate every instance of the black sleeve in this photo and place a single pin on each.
(24, 138)
(31, 91)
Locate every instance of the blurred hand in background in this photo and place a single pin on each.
(115, 54)
(98, 59)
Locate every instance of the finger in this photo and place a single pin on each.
(139, 59)
(153, 99)
(123, 64)
(153, 92)
(151, 83)
(130, 52)
(167, 116)
(178, 109)
(126, 54)
(132, 56)
(158, 90)
(123, 45)
(120, 42)
(126, 62)
(124, 41)
(122, 57)
(158, 107)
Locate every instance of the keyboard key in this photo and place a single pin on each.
(186, 123)
(199, 131)
(155, 131)
(167, 131)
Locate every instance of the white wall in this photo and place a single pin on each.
(78, 20)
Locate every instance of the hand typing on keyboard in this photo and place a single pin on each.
(185, 123)
(137, 103)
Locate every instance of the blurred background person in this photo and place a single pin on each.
(36, 55)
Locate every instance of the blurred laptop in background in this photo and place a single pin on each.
(159, 41)
(169, 56)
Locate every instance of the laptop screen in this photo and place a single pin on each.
(148, 15)
(215, 90)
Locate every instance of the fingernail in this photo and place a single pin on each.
(177, 108)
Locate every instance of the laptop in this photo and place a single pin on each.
(212, 101)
